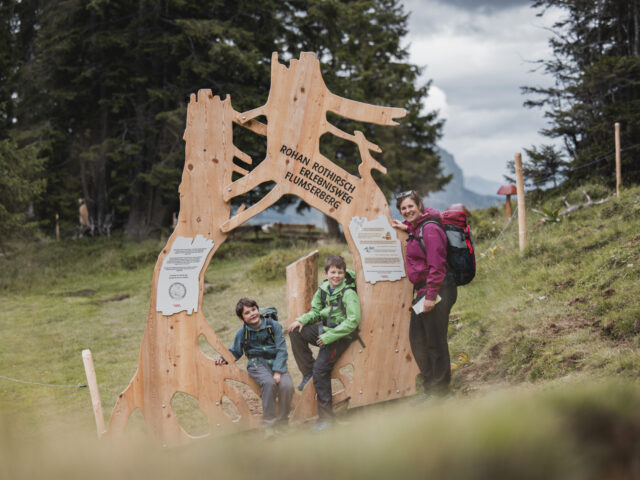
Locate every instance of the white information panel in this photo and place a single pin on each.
(379, 248)
(178, 280)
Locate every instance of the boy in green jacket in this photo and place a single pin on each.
(331, 324)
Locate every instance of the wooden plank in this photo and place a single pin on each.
(522, 210)
(302, 283)
(618, 161)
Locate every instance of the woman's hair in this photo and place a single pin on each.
(413, 195)
(334, 261)
(244, 302)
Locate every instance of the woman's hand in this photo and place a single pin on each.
(276, 377)
(428, 305)
(399, 225)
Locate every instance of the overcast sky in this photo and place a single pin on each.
(478, 54)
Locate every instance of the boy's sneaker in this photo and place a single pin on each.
(304, 381)
(320, 425)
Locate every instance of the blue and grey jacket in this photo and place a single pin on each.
(260, 344)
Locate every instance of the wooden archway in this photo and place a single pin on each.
(170, 360)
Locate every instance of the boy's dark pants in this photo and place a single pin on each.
(261, 372)
(428, 339)
(321, 367)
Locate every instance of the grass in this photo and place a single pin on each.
(567, 305)
(587, 432)
(560, 316)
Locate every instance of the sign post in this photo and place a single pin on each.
(522, 213)
(296, 110)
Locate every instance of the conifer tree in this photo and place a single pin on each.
(103, 88)
(596, 68)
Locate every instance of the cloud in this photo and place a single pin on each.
(478, 55)
(487, 5)
(437, 100)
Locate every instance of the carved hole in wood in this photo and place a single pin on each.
(252, 197)
(337, 387)
(206, 348)
(249, 141)
(135, 426)
(230, 410)
(342, 152)
(254, 402)
(347, 371)
(187, 410)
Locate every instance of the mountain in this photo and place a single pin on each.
(455, 191)
(481, 185)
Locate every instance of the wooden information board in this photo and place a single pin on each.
(296, 111)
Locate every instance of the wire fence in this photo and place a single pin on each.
(79, 385)
(595, 161)
(515, 211)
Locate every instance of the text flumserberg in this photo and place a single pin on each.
(319, 180)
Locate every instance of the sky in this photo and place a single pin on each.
(478, 53)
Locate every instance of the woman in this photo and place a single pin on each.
(427, 269)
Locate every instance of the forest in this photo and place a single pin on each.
(93, 97)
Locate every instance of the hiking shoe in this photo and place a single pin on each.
(320, 425)
(304, 381)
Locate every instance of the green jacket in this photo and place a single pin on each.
(344, 324)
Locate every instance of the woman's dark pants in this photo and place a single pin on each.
(428, 338)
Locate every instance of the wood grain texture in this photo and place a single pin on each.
(296, 111)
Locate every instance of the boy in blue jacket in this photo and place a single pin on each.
(262, 341)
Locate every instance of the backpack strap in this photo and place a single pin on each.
(246, 333)
(270, 328)
(340, 304)
(467, 239)
(420, 239)
(420, 234)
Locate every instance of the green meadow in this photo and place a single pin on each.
(551, 389)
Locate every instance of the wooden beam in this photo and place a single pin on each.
(522, 213)
(89, 370)
(618, 161)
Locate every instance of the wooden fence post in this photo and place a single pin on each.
(522, 216)
(618, 167)
(87, 359)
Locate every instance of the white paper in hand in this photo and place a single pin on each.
(419, 305)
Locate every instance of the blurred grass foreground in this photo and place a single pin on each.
(574, 432)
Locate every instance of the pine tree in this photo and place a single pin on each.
(359, 46)
(111, 84)
(103, 88)
(596, 67)
(21, 184)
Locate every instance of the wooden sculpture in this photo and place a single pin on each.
(170, 360)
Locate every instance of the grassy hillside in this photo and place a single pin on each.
(549, 329)
(568, 306)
